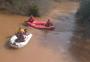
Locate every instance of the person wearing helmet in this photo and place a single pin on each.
(21, 30)
(19, 34)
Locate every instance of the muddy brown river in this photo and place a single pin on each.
(69, 42)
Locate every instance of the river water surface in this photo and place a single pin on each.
(65, 44)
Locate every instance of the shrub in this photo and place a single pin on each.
(34, 10)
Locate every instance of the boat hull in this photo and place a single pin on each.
(39, 25)
(15, 44)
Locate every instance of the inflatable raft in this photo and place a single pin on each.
(19, 44)
(38, 24)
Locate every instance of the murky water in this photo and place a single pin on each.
(68, 43)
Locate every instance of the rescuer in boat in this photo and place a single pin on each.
(31, 19)
(20, 34)
(48, 23)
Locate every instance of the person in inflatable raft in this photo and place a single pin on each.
(20, 33)
(31, 19)
(48, 23)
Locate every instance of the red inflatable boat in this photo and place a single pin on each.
(35, 23)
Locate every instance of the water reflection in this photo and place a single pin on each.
(70, 39)
(60, 38)
(80, 45)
